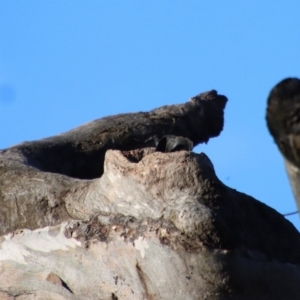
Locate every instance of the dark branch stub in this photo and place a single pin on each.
(283, 121)
(283, 118)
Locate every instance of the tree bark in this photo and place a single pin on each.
(143, 224)
(282, 118)
(80, 152)
(34, 190)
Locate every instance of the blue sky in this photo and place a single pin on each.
(64, 63)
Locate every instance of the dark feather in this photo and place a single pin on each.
(172, 143)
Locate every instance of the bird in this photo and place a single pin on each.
(283, 122)
(172, 143)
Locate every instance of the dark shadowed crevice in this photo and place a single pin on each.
(55, 279)
(143, 281)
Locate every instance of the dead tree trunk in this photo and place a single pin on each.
(96, 213)
(79, 153)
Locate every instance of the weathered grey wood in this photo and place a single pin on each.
(96, 213)
(158, 226)
(80, 152)
(31, 196)
(283, 121)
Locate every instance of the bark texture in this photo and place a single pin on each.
(80, 152)
(283, 121)
(145, 225)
